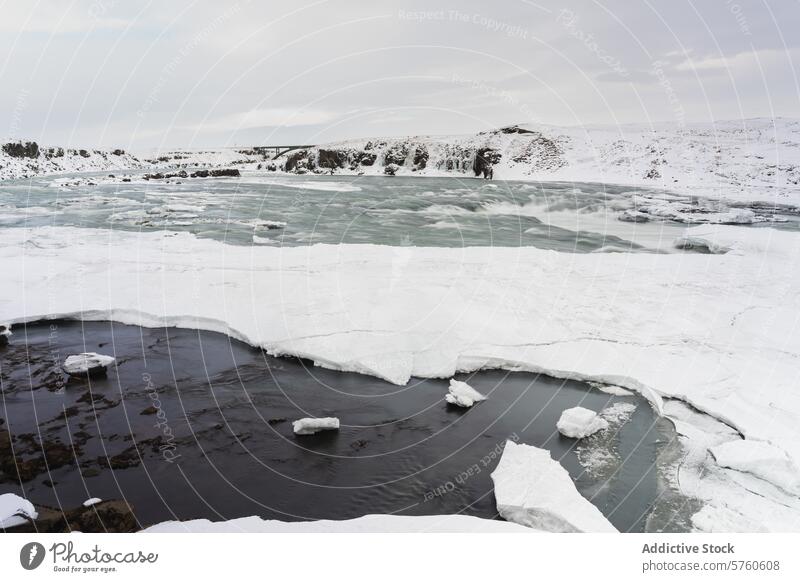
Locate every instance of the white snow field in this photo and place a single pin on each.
(306, 426)
(535, 491)
(87, 363)
(462, 394)
(580, 422)
(14, 510)
(717, 331)
(365, 524)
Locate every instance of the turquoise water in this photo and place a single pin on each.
(442, 212)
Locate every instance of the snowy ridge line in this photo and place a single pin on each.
(682, 325)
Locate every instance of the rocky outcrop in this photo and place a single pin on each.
(28, 149)
(25, 159)
(113, 516)
(218, 173)
(485, 159)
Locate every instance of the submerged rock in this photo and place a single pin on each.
(580, 422)
(306, 426)
(535, 491)
(113, 516)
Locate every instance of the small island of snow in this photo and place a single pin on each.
(580, 422)
(462, 394)
(535, 491)
(306, 426)
(87, 364)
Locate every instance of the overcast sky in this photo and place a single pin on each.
(195, 74)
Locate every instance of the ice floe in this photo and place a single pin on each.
(462, 394)
(14, 510)
(88, 363)
(306, 426)
(579, 422)
(535, 491)
(760, 459)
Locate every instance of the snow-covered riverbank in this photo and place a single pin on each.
(744, 161)
(714, 331)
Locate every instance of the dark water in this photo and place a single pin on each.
(225, 447)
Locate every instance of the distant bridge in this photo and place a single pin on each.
(277, 151)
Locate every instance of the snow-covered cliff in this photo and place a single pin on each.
(756, 159)
(745, 160)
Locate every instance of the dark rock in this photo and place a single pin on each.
(233, 172)
(84, 153)
(118, 153)
(485, 158)
(367, 158)
(420, 157)
(149, 410)
(514, 129)
(274, 421)
(113, 516)
(28, 149)
(652, 174)
(298, 159)
(391, 169)
(396, 154)
(332, 159)
(200, 174)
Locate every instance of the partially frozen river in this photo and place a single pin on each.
(286, 210)
(192, 424)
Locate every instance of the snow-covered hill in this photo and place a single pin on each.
(27, 159)
(743, 160)
(756, 159)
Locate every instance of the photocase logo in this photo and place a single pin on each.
(31, 555)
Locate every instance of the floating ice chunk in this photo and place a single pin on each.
(761, 460)
(580, 422)
(535, 491)
(462, 394)
(87, 364)
(92, 501)
(14, 510)
(611, 389)
(688, 243)
(314, 425)
(618, 413)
